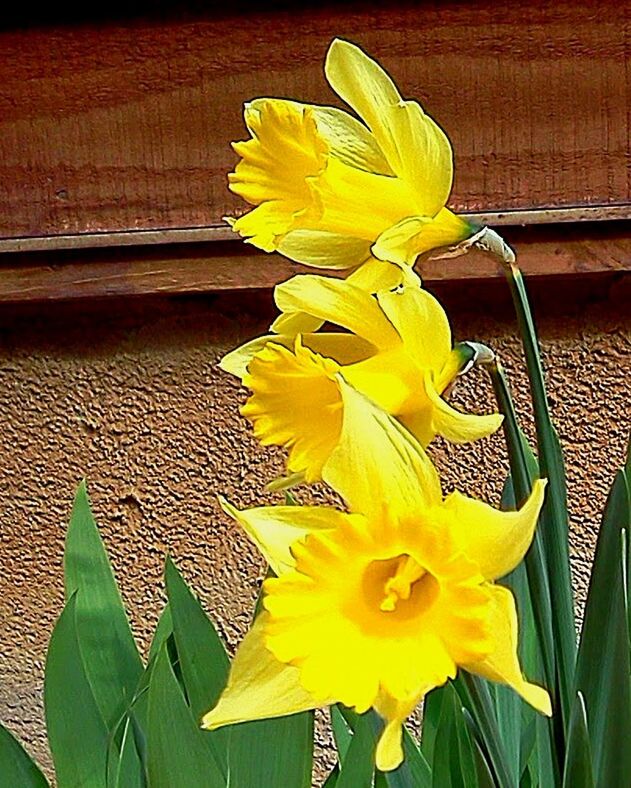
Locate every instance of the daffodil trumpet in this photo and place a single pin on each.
(395, 347)
(374, 607)
(335, 190)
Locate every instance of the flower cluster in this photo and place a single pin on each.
(376, 605)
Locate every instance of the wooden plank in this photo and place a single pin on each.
(569, 250)
(224, 233)
(125, 126)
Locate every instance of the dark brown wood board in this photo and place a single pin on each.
(595, 248)
(110, 126)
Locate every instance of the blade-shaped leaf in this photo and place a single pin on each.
(77, 733)
(203, 659)
(359, 765)
(414, 772)
(554, 528)
(178, 753)
(540, 651)
(17, 768)
(163, 629)
(124, 767)
(454, 760)
(269, 753)
(341, 732)
(111, 659)
(578, 772)
(603, 668)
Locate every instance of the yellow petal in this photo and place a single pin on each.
(502, 664)
(359, 81)
(295, 403)
(422, 324)
(416, 148)
(374, 275)
(389, 753)
(378, 463)
(285, 150)
(264, 226)
(293, 323)
(323, 249)
(350, 141)
(236, 362)
(347, 139)
(497, 541)
(338, 302)
(405, 241)
(456, 426)
(273, 529)
(259, 686)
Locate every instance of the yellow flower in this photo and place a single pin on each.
(333, 192)
(376, 607)
(399, 354)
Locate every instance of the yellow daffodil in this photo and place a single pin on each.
(399, 354)
(375, 607)
(335, 192)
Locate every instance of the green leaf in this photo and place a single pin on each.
(432, 708)
(331, 780)
(341, 732)
(202, 657)
(271, 753)
(476, 697)
(163, 629)
(414, 772)
(454, 760)
(111, 660)
(17, 768)
(578, 760)
(77, 732)
(359, 765)
(178, 753)
(554, 528)
(603, 668)
(537, 650)
(124, 767)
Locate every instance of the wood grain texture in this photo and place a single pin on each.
(593, 248)
(126, 125)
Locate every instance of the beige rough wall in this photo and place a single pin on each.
(128, 396)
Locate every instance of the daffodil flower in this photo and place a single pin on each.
(399, 355)
(375, 607)
(335, 192)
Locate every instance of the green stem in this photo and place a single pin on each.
(554, 520)
(475, 697)
(523, 467)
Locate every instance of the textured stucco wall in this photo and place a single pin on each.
(128, 395)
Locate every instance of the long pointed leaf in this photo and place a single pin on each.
(17, 768)
(77, 732)
(111, 659)
(178, 754)
(578, 772)
(603, 668)
(554, 527)
(359, 765)
(454, 758)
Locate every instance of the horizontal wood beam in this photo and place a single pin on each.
(124, 125)
(222, 232)
(543, 250)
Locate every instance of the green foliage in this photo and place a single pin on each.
(16, 766)
(116, 723)
(603, 671)
(77, 733)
